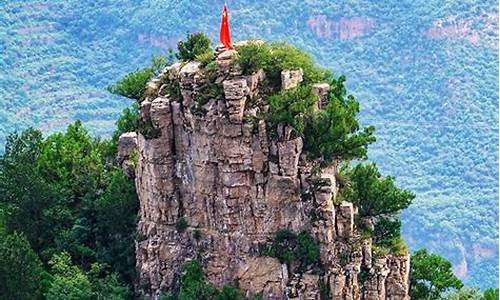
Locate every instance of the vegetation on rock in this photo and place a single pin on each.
(333, 133)
(431, 276)
(276, 57)
(133, 84)
(67, 185)
(298, 250)
(193, 286)
(70, 282)
(411, 81)
(195, 46)
(379, 200)
(291, 107)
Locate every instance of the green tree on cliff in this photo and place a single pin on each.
(431, 276)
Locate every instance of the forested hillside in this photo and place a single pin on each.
(425, 73)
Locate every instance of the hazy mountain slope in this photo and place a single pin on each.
(424, 71)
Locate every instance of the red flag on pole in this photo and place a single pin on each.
(225, 31)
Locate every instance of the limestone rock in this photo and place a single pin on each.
(321, 91)
(236, 185)
(127, 144)
(291, 78)
(127, 148)
(235, 89)
(345, 220)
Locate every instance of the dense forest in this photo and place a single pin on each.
(425, 71)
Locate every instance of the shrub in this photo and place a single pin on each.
(195, 45)
(287, 57)
(275, 58)
(398, 247)
(116, 222)
(181, 225)
(333, 133)
(387, 230)
(147, 129)
(133, 84)
(490, 294)
(253, 56)
(69, 281)
(290, 248)
(307, 251)
(373, 194)
(230, 292)
(291, 107)
(205, 58)
(193, 286)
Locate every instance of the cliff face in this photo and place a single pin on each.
(214, 165)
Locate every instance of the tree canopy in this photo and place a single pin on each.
(431, 276)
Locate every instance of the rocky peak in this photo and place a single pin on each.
(212, 165)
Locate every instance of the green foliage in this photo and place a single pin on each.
(277, 57)
(193, 286)
(181, 225)
(343, 258)
(253, 56)
(196, 45)
(133, 84)
(387, 230)
(74, 198)
(20, 269)
(431, 276)
(490, 294)
(70, 282)
(398, 246)
(207, 91)
(116, 219)
(128, 121)
(291, 248)
(285, 56)
(380, 200)
(25, 194)
(147, 129)
(324, 291)
(464, 294)
(206, 58)
(373, 194)
(107, 285)
(291, 107)
(333, 133)
(230, 292)
(307, 250)
(72, 161)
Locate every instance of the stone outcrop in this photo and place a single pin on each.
(291, 78)
(236, 187)
(127, 153)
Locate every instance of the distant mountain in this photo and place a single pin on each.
(425, 72)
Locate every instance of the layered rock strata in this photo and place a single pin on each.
(235, 187)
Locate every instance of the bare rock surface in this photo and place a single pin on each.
(235, 187)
